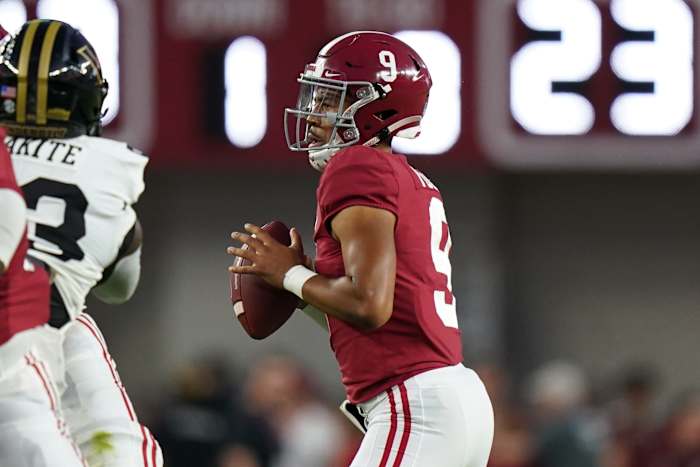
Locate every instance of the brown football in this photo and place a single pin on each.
(261, 308)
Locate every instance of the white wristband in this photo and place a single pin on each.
(296, 277)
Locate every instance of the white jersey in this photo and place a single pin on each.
(79, 194)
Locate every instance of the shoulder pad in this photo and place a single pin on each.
(109, 146)
(128, 164)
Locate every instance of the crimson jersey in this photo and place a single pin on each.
(422, 333)
(24, 288)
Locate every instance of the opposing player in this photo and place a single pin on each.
(31, 432)
(79, 189)
(382, 258)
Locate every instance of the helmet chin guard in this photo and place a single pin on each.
(320, 158)
(364, 87)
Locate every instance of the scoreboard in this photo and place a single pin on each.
(589, 84)
(518, 84)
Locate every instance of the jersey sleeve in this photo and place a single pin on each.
(357, 176)
(133, 164)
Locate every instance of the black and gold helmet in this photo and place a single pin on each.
(51, 83)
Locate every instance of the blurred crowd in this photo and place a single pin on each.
(275, 417)
(562, 421)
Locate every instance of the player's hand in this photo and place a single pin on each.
(270, 259)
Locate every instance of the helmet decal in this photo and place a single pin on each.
(23, 71)
(43, 74)
(91, 58)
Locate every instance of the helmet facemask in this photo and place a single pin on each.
(326, 104)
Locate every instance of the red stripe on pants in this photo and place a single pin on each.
(31, 362)
(406, 425)
(153, 448)
(392, 430)
(105, 355)
(144, 447)
(127, 403)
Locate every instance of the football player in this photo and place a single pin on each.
(79, 189)
(382, 271)
(29, 404)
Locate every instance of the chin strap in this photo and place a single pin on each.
(319, 159)
(409, 133)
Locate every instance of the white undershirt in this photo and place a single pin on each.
(13, 219)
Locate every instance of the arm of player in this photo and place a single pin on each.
(119, 280)
(311, 312)
(14, 213)
(365, 296)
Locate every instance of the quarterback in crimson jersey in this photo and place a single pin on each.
(416, 338)
(382, 272)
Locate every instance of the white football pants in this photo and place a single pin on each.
(440, 418)
(96, 406)
(32, 431)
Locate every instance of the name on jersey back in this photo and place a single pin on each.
(49, 150)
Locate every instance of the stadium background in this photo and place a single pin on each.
(575, 227)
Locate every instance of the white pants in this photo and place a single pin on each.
(440, 418)
(32, 431)
(97, 408)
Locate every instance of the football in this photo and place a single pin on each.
(261, 308)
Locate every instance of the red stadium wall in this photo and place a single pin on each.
(173, 89)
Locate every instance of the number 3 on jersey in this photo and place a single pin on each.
(440, 244)
(58, 218)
